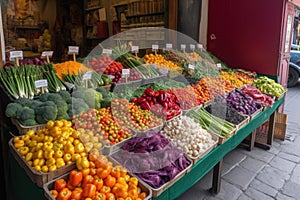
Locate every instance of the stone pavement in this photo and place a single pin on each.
(260, 174)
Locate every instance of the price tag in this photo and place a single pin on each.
(192, 47)
(219, 65)
(69, 85)
(73, 50)
(125, 72)
(182, 47)
(199, 46)
(111, 77)
(154, 47)
(163, 71)
(107, 51)
(16, 54)
(192, 67)
(169, 46)
(134, 49)
(41, 83)
(87, 75)
(47, 53)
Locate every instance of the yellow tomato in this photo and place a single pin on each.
(58, 123)
(49, 154)
(19, 144)
(39, 154)
(28, 156)
(37, 168)
(47, 146)
(52, 168)
(75, 157)
(32, 143)
(49, 124)
(30, 133)
(58, 154)
(60, 162)
(67, 157)
(45, 169)
(79, 148)
(23, 150)
(69, 148)
(50, 162)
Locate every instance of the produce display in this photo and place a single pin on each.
(160, 61)
(156, 131)
(50, 148)
(268, 86)
(69, 67)
(212, 123)
(162, 103)
(132, 116)
(99, 179)
(188, 135)
(257, 95)
(242, 103)
(152, 158)
(221, 110)
(96, 80)
(103, 125)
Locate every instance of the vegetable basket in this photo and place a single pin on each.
(157, 191)
(37, 177)
(23, 129)
(118, 87)
(214, 145)
(50, 185)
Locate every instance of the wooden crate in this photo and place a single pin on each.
(279, 130)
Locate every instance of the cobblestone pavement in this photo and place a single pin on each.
(260, 174)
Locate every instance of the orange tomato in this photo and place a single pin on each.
(105, 189)
(102, 173)
(115, 172)
(110, 196)
(76, 194)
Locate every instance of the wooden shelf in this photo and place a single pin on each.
(93, 8)
(145, 15)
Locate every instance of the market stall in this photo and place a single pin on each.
(91, 116)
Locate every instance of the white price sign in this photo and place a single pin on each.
(192, 67)
(69, 85)
(135, 49)
(47, 53)
(163, 71)
(192, 47)
(107, 51)
(73, 50)
(111, 77)
(199, 46)
(219, 65)
(169, 46)
(41, 83)
(87, 75)
(125, 72)
(182, 47)
(16, 54)
(154, 47)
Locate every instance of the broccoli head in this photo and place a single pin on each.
(12, 109)
(62, 107)
(24, 101)
(79, 93)
(77, 106)
(29, 122)
(65, 95)
(45, 112)
(25, 113)
(92, 98)
(50, 97)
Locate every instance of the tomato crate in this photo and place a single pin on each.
(38, 177)
(50, 185)
(23, 129)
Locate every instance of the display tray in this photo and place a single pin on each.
(109, 149)
(118, 87)
(153, 79)
(157, 191)
(282, 95)
(214, 145)
(256, 113)
(39, 178)
(184, 112)
(23, 129)
(50, 185)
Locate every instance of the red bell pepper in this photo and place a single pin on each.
(149, 92)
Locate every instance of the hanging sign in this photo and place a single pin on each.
(73, 50)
